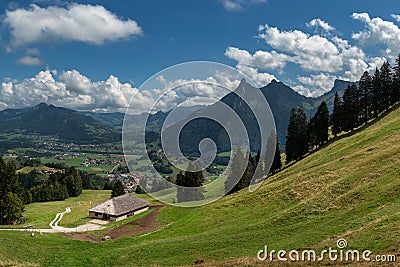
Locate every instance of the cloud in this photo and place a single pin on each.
(396, 17)
(231, 5)
(30, 61)
(378, 32)
(321, 59)
(302, 90)
(76, 22)
(172, 93)
(33, 51)
(261, 59)
(315, 53)
(318, 23)
(259, 78)
(312, 53)
(238, 5)
(320, 83)
(73, 90)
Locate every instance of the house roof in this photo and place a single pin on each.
(120, 205)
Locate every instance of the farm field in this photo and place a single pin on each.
(349, 189)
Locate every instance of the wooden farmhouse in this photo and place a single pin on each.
(119, 208)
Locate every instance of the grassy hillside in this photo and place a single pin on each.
(349, 189)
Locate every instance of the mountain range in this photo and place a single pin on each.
(61, 123)
(281, 99)
(83, 127)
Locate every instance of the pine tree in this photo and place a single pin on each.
(190, 184)
(396, 79)
(366, 91)
(258, 168)
(351, 108)
(180, 181)
(11, 194)
(194, 179)
(320, 125)
(377, 93)
(336, 119)
(277, 162)
(257, 158)
(73, 182)
(268, 157)
(237, 170)
(118, 189)
(297, 138)
(245, 180)
(386, 83)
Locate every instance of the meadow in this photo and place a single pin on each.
(348, 189)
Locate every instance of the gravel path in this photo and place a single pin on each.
(58, 229)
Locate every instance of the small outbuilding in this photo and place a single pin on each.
(119, 208)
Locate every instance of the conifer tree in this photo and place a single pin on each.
(180, 181)
(118, 189)
(237, 172)
(351, 107)
(377, 93)
(11, 194)
(297, 138)
(258, 166)
(319, 126)
(194, 179)
(387, 97)
(396, 79)
(277, 162)
(322, 121)
(189, 184)
(337, 115)
(366, 91)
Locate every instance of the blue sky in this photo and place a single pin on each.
(94, 54)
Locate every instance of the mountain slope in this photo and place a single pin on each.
(65, 124)
(281, 99)
(154, 121)
(348, 189)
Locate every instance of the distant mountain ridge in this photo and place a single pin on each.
(83, 127)
(281, 99)
(66, 124)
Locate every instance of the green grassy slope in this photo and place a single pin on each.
(349, 189)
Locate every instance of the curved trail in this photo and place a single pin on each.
(58, 229)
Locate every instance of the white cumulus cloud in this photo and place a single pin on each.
(318, 23)
(238, 5)
(261, 59)
(312, 53)
(73, 90)
(396, 17)
(30, 61)
(378, 32)
(321, 83)
(231, 5)
(259, 78)
(76, 22)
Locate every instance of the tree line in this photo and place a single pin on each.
(358, 105)
(11, 194)
(247, 167)
(59, 186)
(189, 184)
